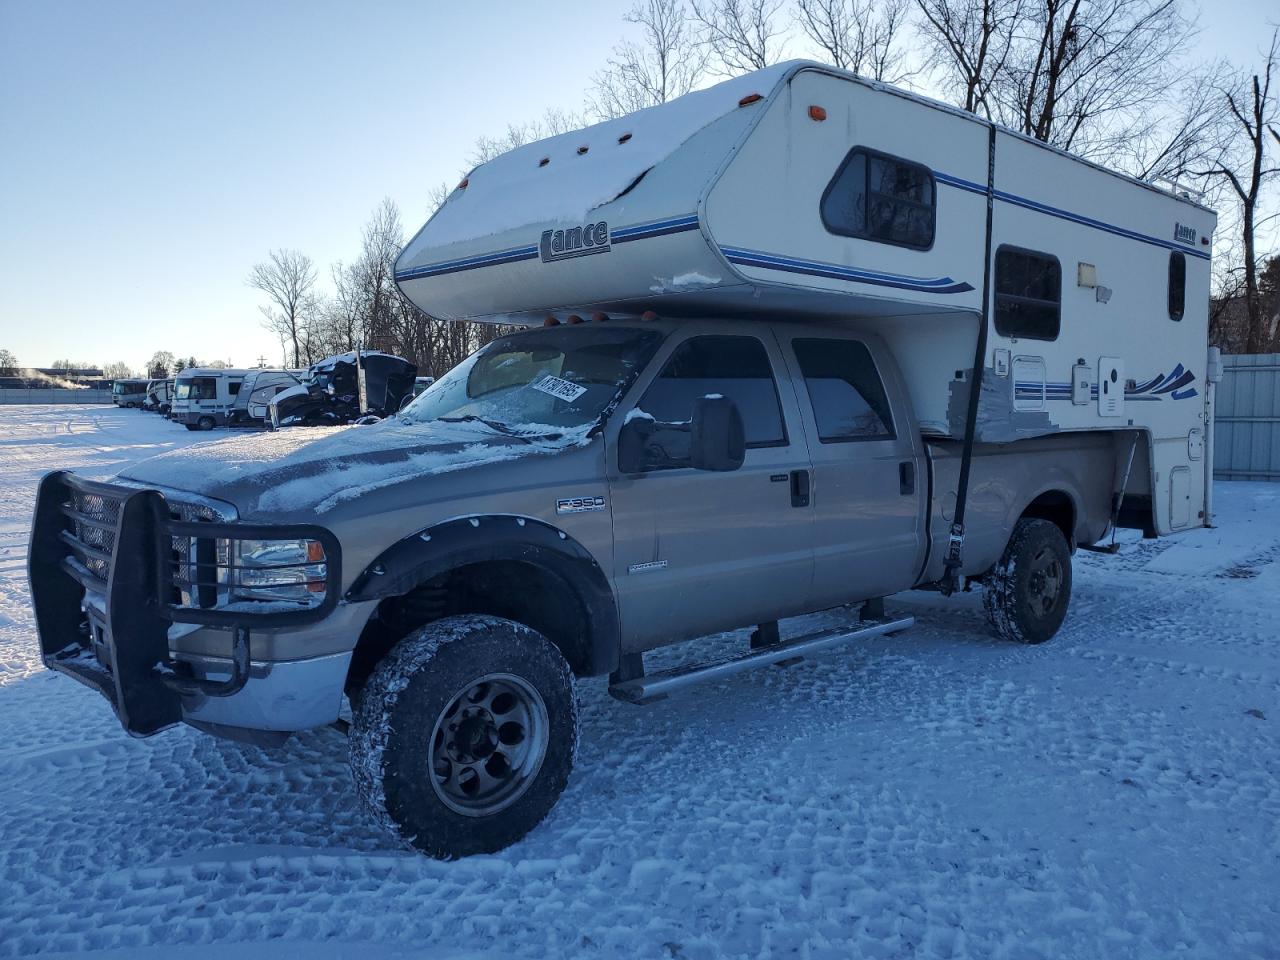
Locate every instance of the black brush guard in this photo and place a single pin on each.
(127, 556)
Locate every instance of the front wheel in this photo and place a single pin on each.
(464, 736)
(206, 423)
(1027, 593)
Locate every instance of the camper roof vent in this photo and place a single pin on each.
(583, 149)
(544, 161)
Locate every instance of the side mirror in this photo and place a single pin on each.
(717, 438)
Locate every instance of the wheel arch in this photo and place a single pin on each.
(516, 567)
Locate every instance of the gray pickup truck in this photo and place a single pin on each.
(565, 500)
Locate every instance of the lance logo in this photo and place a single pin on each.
(1184, 234)
(574, 242)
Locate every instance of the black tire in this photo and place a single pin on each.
(411, 780)
(191, 426)
(206, 423)
(1027, 593)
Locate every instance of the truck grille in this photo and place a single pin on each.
(95, 528)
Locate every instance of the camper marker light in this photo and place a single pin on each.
(817, 113)
(749, 99)
(624, 138)
(583, 149)
(551, 322)
(544, 161)
(574, 318)
(463, 184)
(599, 317)
(648, 315)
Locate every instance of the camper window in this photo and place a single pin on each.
(877, 197)
(1177, 285)
(233, 387)
(198, 388)
(1028, 294)
(733, 367)
(848, 398)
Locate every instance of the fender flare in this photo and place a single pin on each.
(463, 541)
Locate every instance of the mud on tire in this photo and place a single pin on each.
(1027, 593)
(465, 735)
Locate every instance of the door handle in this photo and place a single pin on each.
(799, 488)
(906, 477)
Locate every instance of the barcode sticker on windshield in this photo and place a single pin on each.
(566, 390)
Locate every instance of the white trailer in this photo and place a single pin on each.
(203, 397)
(257, 390)
(1075, 296)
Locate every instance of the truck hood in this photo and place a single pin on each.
(316, 469)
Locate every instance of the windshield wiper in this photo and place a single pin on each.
(494, 425)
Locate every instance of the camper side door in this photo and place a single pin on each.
(869, 488)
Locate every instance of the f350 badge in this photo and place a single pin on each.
(579, 504)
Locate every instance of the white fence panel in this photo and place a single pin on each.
(55, 395)
(1247, 419)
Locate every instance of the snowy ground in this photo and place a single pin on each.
(1111, 794)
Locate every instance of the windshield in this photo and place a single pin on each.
(558, 377)
(197, 388)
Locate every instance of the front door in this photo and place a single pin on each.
(698, 551)
(868, 492)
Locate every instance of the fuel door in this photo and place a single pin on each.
(1110, 387)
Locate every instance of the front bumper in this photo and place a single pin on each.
(108, 584)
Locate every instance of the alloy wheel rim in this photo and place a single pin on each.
(1045, 582)
(488, 745)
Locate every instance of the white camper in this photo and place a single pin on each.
(257, 390)
(203, 398)
(159, 396)
(1077, 297)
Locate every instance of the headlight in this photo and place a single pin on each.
(279, 570)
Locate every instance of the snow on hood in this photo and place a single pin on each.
(513, 190)
(320, 468)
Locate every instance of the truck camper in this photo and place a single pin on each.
(789, 343)
(205, 397)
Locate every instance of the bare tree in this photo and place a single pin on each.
(1253, 108)
(8, 364)
(553, 123)
(160, 364)
(968, 42)
(740, 35)
(1089, 69)
(667, 62)
(859, 35)
(1188, 131)
(117, 371)
(287, 278)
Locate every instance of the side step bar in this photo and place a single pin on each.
(646, 688)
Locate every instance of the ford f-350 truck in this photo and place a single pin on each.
(559, 504)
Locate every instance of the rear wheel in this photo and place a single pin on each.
(464, 736)
(206, 423)
(1027, 593)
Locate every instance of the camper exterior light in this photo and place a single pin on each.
(750, 99)
(817, 113)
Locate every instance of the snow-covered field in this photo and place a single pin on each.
(1114, 793)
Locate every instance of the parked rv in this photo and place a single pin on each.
(203, 398)
(260, 386)
(128, 393)
(840, 341)
(159, 397)
(331, 394)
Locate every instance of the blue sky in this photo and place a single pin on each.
(152, 152)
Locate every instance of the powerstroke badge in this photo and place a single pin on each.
(574, 242)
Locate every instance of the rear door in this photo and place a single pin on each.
(868, 484)
(698, 551)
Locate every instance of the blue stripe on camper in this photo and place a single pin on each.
(656, 228)
(1038, 207)
(834, 271)
(1153, 389)
(468, 263)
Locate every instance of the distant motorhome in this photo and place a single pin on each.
(129, 393)
(203, 398)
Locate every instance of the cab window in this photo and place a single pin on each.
(733, 367)
(846, 393)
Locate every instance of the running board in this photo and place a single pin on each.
(655, 685)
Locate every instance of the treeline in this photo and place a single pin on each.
(1119, 82)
